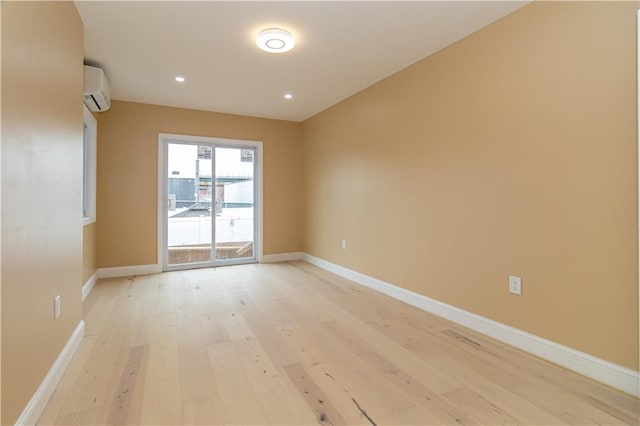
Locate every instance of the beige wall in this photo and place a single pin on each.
(128, 169)
(42, 54)
(89, 244)
(512, 151)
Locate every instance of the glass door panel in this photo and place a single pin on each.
(189, 203)
(234, 203)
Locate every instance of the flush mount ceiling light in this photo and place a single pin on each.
(275, 40)
(288, 96)
(180, 79)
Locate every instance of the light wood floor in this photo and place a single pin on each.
(292, 344)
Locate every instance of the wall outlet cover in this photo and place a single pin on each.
(56, 307)
(515, 285)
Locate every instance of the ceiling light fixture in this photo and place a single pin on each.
(288, 96)
(180, 79)
(275, 40)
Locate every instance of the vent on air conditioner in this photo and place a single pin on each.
(97, 96)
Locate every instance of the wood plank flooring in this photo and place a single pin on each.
(291, 344)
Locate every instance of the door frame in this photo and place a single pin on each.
(638, 144)
(163, 141)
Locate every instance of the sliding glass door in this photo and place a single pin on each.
(209, 209)
(234, 210)
(189, 212)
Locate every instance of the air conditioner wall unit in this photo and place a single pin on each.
(97, 95)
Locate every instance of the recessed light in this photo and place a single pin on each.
(275, 40)
(288, 96)
(179, 79)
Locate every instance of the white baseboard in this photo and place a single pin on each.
(614, 375)
(38, 402)
(88, 285)
(281, 257)
(127, 271)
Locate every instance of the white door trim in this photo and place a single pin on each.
(163, 139)
(638, 150)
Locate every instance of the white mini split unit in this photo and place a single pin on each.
(97, 96)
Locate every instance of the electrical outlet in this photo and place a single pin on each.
(56, 307)
(344, 244)
(515, 285)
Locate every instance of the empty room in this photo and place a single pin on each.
(319, 212)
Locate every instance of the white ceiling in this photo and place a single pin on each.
(341, 48)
